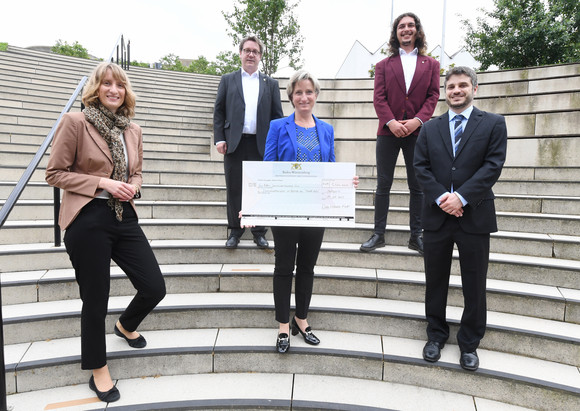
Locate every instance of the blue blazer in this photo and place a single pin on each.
(281, 141)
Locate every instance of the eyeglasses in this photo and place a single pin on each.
(250, 51)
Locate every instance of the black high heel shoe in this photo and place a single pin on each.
(309, 338)
(106, 396)
(283, 343)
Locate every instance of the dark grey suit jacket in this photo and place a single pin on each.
(229, 111)
(473, 171)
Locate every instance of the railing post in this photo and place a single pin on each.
(56, 195)
(3, 404)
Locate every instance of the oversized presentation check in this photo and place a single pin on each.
(280, 193)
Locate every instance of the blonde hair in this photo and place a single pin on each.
(91, 90)
(299, 76)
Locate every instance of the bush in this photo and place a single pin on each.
(74, 50)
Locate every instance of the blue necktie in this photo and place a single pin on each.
(457, 132)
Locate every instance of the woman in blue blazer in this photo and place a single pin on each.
(300, 137)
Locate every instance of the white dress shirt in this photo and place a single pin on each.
(409, 62)
(251, 89)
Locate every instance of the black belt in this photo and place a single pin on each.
(248, 135)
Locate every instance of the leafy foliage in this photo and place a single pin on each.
(74, 50)
(226, 62)
(525, 33)
(273, 21)
(3, 46)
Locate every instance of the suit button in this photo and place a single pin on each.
(452, 168)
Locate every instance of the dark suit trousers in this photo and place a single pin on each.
(92, 240)
(247, 150)
(473, 259)
(387, 151)
(300, 246)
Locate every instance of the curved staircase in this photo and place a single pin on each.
(211, 340)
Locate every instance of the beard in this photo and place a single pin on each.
(464, 104)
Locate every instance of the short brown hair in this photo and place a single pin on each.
(254, 38)
(91, 91)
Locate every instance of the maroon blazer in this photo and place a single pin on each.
(391, 99)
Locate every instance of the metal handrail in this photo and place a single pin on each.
(17, 191)
(9, 204)
(124, 52)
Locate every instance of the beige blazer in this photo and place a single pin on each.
(80, 157)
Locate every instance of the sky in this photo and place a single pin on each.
(193, 28)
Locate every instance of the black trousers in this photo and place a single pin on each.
(92, 240)
(473, 259)
(247, 150)
(294, 246)
(387, 151)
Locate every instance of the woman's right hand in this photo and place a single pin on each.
(118, 189)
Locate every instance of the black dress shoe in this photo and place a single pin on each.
(283, 343)
(309, 338)
(469, 361)
(139, 342)
(261, 241)
(416, 243)
(376, 240)
(432, 351)
(232, 241)
(107, 396)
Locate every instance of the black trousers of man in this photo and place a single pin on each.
(473, 259)
(247, 150)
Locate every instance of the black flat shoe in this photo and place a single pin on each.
(232, 241)
(376, 241)
(108, 396)
(261, 241)
(139, 342)
(432, 351)
(283, 343)
(416, 243)
(309, 338)
(469, 361)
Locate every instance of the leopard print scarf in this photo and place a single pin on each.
(110, 127)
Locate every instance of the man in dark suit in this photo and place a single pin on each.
(246, 102)
(458, 158)
(405, 96)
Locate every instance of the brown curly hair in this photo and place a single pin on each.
(420, 41)
(91, 90)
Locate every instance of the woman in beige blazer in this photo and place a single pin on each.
(96, 158)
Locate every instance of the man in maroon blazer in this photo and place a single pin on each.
(405, 96)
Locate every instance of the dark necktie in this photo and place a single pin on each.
(457, 132)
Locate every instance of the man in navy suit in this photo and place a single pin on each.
(246, 102)
(405, 95)
(458, 158)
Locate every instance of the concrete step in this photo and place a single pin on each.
(534, 270)
(33, 222)
(539, 301)
(510, 333)
(260, 391)
(305, 377)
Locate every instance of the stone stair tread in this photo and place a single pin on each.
(333, 343)
(369, 274)
(260, 390)
(552, 329)
(388, 249)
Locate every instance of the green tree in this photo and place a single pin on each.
(525, 33)
(3, 46)
(273, 21)
(226, 62)
(74, 50)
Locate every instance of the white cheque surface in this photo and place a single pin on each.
(280, 193)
